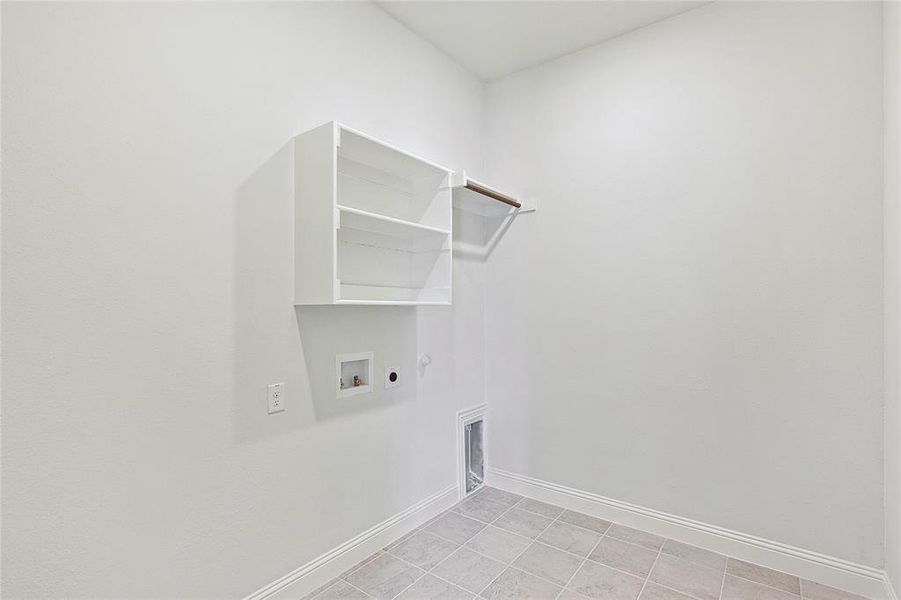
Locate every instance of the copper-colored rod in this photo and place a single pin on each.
(492, 194)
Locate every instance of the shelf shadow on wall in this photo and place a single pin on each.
(278, 342)
(476, 236)
(267, 348)
(390, 332)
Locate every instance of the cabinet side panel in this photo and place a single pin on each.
(314, 216)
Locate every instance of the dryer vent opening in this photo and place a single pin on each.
(474, 463)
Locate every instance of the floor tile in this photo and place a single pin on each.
(523, 522)
(424, 550)
(624, 556)
(341, 590)
(468, 570)
(455, 528)
(597, 581)
(687, 577)
(400, 540)
(818, 591)
(384, 577)
(499, 496)
(756, 573)
(636, 536)
(480, 508)
(542, 508)
(588, 522)
(652, 591)
(321, 589)
(736, 588)
(570, 538)
(550, 563)
(429, 563)
(432, 588)
(369, 558)
(547, 554)
(705, 558)
(569, 594)
(498, 544)
(514, 584)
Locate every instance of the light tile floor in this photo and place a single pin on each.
(495, 545)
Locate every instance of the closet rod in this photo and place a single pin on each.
(475, 187)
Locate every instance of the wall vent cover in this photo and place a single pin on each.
(475, 457)
(471, 436)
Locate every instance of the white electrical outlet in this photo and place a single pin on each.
(392, 377)
(276, 397)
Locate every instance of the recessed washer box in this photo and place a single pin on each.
(353, 374)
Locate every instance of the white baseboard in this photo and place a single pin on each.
(828, 570)
(326, 567)
(889, 589)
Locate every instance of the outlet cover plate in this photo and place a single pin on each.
(276, 397)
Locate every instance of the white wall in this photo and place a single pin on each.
(891, 36)
(147, 271)
(692, 321)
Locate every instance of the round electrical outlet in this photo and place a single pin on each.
(392, 377)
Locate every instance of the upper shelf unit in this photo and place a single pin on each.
(372, 223)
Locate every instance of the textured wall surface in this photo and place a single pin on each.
(693, 319)
(148, 285)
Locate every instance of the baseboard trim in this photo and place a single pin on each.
(889, 588)
(322, 569)
(828, 570)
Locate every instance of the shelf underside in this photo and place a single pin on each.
(377, 268)
(472, 201)
(363, 149)
(352, 293)
(425, 202)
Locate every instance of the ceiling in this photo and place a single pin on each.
(495, 38)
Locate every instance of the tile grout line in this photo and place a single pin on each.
(387, 552)
(723, 583)
(361, 564)
(605, 534)
(530, 542)
(650, 572)
(690, 595)
(672, 589)
(473, 550)
(459, 547)
(659, 552)
(424, 573)
(515, 558)
(336, 582)
(356, 588)
(603, 537)
(766, 585)
(584, 560)
(509, 565)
